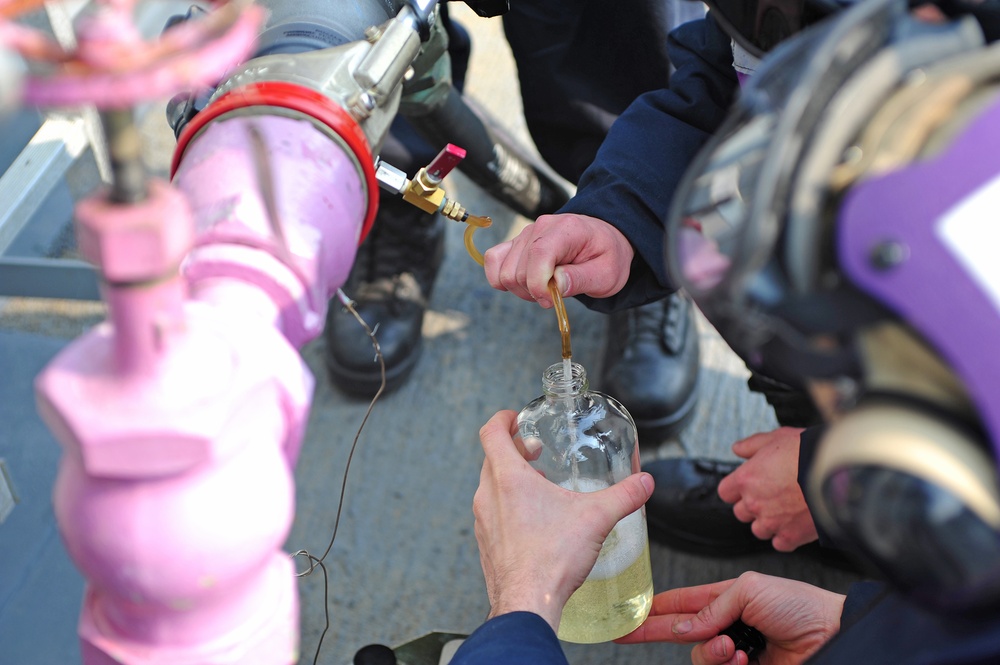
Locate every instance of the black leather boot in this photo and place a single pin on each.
(391, 282)
(651, 365)
(686, 513)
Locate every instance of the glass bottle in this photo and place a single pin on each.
(586, 441)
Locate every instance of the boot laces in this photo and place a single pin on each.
(397, 260)
(393, 289)
(714, 472)
(659, 322)
(645, 323)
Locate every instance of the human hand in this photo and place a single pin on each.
(795, 618)
(538, 541)
(587, 255)
(765, 491)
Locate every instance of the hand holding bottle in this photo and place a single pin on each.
(538, 541)
(587, 256)
(795, 618)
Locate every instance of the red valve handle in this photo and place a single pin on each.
(446, 160)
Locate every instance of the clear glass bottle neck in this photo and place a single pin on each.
(554, 383)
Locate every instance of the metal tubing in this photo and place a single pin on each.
(128, 175)
(494, 160)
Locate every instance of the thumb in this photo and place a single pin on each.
(626, 496)
(582, 278)
(495, 435)
(563, 281)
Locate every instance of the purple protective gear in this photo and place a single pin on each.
(845, 215)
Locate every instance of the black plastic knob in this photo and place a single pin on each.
(375, 654)
(748, 639)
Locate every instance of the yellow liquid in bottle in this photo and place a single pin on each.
(618, 593)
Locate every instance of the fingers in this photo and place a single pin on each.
(783, 543)
(655, 629)
(795, 536)
(750, 446)
(718, 651)
(729, 488)
(688, 599)
(784, 536)
(762, 530)
(714, 617)
(743, 513)
(501, 263)
(762, 527)
(524, 265)
(746, 448)
(673, 608)
(493, 259)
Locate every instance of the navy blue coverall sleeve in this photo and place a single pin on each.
(519, 637)
(632, 180)
(877, 626)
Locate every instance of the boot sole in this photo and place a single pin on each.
(692, 544)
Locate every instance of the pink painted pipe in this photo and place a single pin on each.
(182, 416)
(319, 198)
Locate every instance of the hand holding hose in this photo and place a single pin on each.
(584, 254)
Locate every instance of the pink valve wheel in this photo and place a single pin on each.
(113, 67)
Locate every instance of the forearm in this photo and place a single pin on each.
(632, 181)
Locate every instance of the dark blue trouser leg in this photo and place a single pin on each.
(580, 63)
